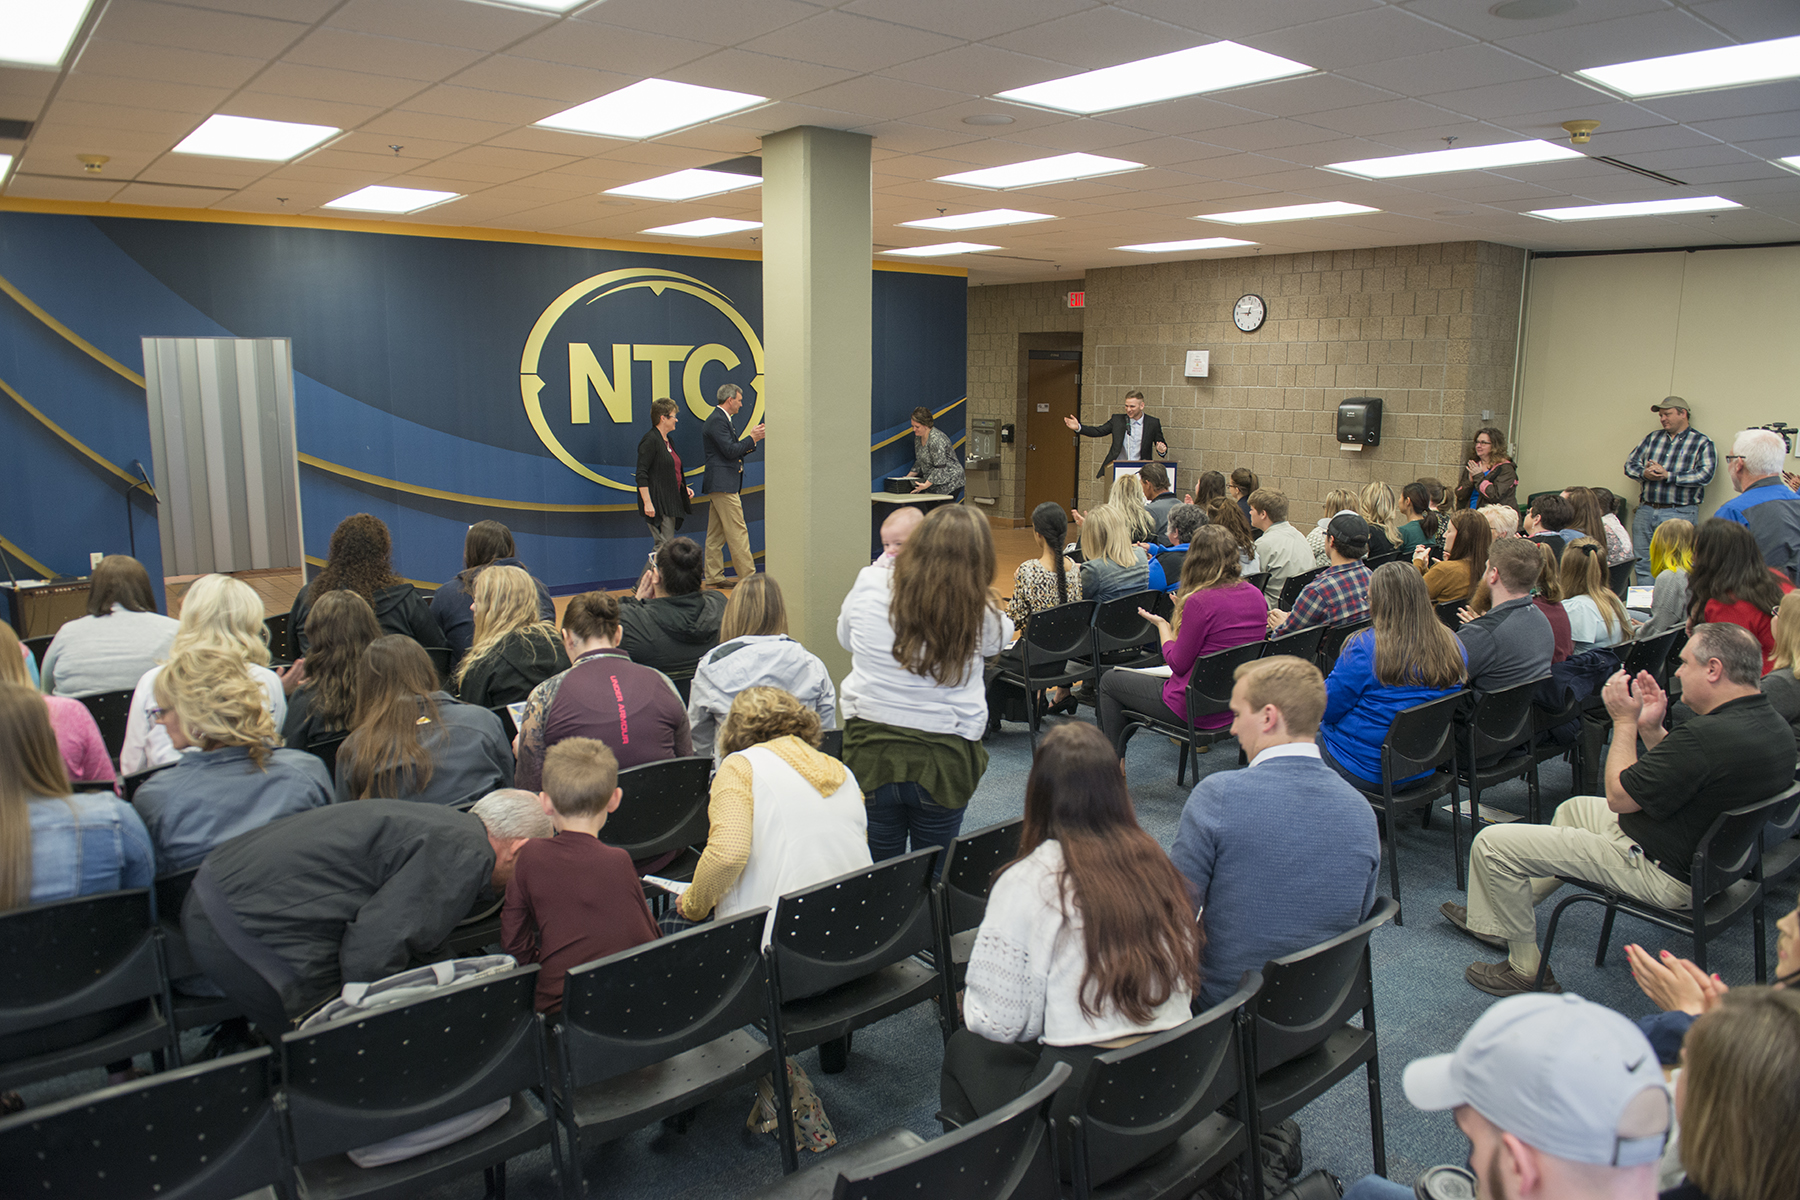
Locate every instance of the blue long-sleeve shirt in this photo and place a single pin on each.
(1359, 709)
(1771, 511)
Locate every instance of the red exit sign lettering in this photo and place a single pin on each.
(1077, 299)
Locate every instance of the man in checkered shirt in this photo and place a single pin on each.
(1339, 595)
(1675, 464)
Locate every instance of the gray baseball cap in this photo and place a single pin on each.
(1673, 402)
(1555, 1071)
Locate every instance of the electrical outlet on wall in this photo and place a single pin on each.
(94, 559)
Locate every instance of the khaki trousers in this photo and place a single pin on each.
(1510, 867)
(725, 524)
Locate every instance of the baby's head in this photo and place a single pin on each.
(897, 528)
(581, 781)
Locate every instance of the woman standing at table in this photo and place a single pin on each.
(663, 498)
(934, 460)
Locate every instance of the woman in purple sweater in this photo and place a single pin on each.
(1214, 610)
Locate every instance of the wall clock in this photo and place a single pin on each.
(1249, 313)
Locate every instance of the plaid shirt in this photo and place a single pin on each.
(1338, 596)
(1690, 459)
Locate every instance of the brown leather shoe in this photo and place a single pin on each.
(1458, 916)
(1499, 979)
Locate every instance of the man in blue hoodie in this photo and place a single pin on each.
(1764, 504)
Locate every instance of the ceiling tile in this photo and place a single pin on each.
(1602, 43)
(118, 116)
(20, 186)
(164, 195)
(1781, 97)
(1098, 37)
(978, 70)
(717, 138)
(300, 108)
(1305, 96)
(568, 85)
(472, 26)
(451, 101)
(167, 63)
(1242, 21)
(185, 26)
(840, 39)
(972, 20)
(429, 125)
(900, 137)
(416, 150)
(1390, 116)
(1338, 43)
(145, 93)
(757, 74)
(1753, 20)
(721, 22)
(324, 83)
(882, 98)
(369, 160)
(587, 47)
(180, 169)
(1477, 21)
(396, 57)
(1501, 100)
(1446, 70)
(290, 10)
(1740, 129)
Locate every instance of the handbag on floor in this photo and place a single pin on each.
(812, 1128)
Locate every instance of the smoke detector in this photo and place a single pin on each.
(1580, 132)
(91, 163)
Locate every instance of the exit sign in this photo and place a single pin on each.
(1077, 299)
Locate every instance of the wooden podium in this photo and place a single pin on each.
(1127, 466)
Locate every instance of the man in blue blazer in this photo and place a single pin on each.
(1133, 434)
(725, 455)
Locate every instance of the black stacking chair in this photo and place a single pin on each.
(1725, 879)
(1122, 638)
(1418, 740)
(281, 643)
(1781, 844)
(1051, 638)
(83, 976)
(409, 1065)
(199, 1133)
(1303, 643)
(187, 1012)
(1651, 654)
(831, 742)
(1148, 1124)
(1618, 577)
(829, 977)
(1447, 613)
(1259, 581)
(508, 726)
(651, 1032)
(1332, 644)
(1497, 730)
(1382, 560)
(1208, 693)
(110, 711)
(683, 679)
(1290, 591)
(325, 747)
(1302, 1036)
(444, 659)
(37, 646)
(962, 896)
(131, 783)
(664, 810)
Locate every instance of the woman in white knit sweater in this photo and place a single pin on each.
(1089, 942)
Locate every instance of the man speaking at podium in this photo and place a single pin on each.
(1132, 432)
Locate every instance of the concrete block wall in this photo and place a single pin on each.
(1006, 322)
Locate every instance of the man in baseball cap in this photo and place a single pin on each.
(1674, 464)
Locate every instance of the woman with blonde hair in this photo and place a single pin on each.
(1467, 538)
(1112, 563)
(1489, 477)
(235, 778)
(1377, 506)
(339, 628)
(219, 615)
(1337, 500)
(1128, 497)
(755, 651)
(1671, 555)
(514, 648)
(77, 737)
(1596, 618)
(1782, 684)
(1738, 1098)
(915, 701)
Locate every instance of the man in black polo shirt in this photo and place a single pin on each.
(1641, 836)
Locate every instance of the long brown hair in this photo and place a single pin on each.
(1728, 567)
(1138, 929)
(1584, 574)
(30, 765)
(1412, 647)
(1474, 539)
(755, 609)
(12, 659)
(358, 559)
(942, 594)
(119, 579)
(384, 754)
(1587, 513)
(1211, 562)
(1225, 513)
(1742, 1096)
(338, 629)
(485, 542)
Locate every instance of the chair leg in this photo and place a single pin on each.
(1759, 921)
(1377, 1130)
(1531, 795)
(1181, 766)
(1456, 850)
(1388, 825)
(1606, 925)
(1550, 933)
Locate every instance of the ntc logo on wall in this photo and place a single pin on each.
(613, 343)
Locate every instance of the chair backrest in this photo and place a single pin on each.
(133, 782)
(1117, 625)
(1332, 644)
(1419, 739)
(1052, 635)
(664, 807)
(404, 1066)
(1290, 591)
(75, 957)
(969, 866)
(1303, 643)
(987, 1159)
(1209, 685)
(1447, 613)
(816, 946)
(110, 710)
(1733, 845)
(1259, 581)
(38, 645)
(280, 641)
(1143, 1098)
(1784, 821)
(508, 727)
(1309, 994)
(1501, 720)
(655, 1001)
(1381, 560)
(207, 1132)
(831, 743)
(1618, 576)
(325, 747)
(1649, 654)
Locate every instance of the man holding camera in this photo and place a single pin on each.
(1674, 465)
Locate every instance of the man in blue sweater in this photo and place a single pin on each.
(1765, 504)
(1283, 854)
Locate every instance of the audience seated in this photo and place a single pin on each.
(1227, 516)
(1512, 642)
(1283, 548)
(1158, 499)
(1435, 493)
(1764, 504)
(1112, 565)
(1243, 481)
(669, 623)
(359, 560)
(1408, 657)
(755, 651)
(1671, 556)
(1640, 837)
(120, 638)
(1738, 1099)
(914, 703)
(1247, 835)
(1503, 519)
(632, 708)
(1546, 521)
(322, 699)
(452, 605)
(1587, 520)
(1127, 495)
(1467, 536)
(1209, 486)
(234, 779)
(515, 647)
(573, 899)
(281, 917)
(1040, 583)
(1337, 500)
(28, 659)
(1166, 559)
(1378, 505)
(1683, 992)
(1782, 683)
(894, 531)
(1596, 617)
(1215, 609)
(219, 615)
(783, 816)
(412, 741)
(1729, 581)
(1547, 599)
(1618, 538)
(1088, 942)
(78, 739)
(1419, 522)
(1340, 594)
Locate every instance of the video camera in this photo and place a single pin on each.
(1786, 431)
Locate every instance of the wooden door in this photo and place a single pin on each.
(1052, 392)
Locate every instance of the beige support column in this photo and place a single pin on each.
(817, 246)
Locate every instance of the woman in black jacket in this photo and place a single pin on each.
(359, 561)
(514, 650)
(663, 498)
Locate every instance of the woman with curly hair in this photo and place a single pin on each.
(340, 627)
(1489, 477)
(514, 649)
(359, 561)
(1729, 581)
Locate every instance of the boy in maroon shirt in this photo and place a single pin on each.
(574, 899)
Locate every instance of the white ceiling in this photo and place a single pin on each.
(442, 94)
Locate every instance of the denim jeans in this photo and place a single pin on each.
(897, 810)
(1643, 527)
(1374, 1187)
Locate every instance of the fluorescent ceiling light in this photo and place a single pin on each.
(1059, 168)
(941, 249)
(1702, 70)
(1288, 212)
(706, 227)
(391, 199)
(650, 107)
(1469, 158)
(685, 185)
(5, 166)
(37, 33)
(251, 137)
(1640, 208)
(980, 220)
(1193, 244)
(1791, 162)
(555, 6)
(1164, 77)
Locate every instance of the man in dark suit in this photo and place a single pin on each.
(1133, 434)
(725, 455)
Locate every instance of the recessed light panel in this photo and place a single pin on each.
(1701, 70)
(1640, 208)
(941, 249)
(706, 227)
(37, 33)
(5, 166)
(979, 220)
(1288, 212)
(391, 199)
(1060, 168)
(1164, 77)
(553, 6)
(251, 137)
(1791, 162)
(650, 107)
(1191, 244)
(1467, 158)
(685, 185)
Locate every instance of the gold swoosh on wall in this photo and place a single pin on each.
(82, 447)
(414, 489)
(25, 558)
(908, 432)
(75, 339)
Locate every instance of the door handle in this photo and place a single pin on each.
(1031, 447)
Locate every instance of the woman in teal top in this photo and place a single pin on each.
(1421, 525)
